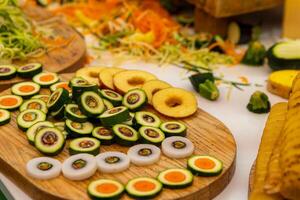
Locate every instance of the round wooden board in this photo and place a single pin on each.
(209, 136)
(67, 58)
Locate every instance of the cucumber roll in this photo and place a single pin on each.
(125, 135)
(135, 99)
(36, 104)
(112, 96)
(25, 89)
(176, 178)
(84, 145)
(43, 168)
(4, 117)
(73, 113)
(28, 117)
(10, 102)
(76, 129)
(151, 135)
(144, 154)
(91, 104)
(105, 189)
(105, 135)
(202, 165)
(32, 131)
(144, 118)
(177, 147)
(29, 70)
(143, 188)
(79, 167)
(114, 116)
(49, 141)
(43, 97)
(112, 162)
(57, 99)
(45, 79)
(173, 128)
(7, 72)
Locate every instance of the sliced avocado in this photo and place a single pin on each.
(151, 135)
(135, 99)
(84, 145)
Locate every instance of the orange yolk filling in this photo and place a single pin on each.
(47, 78)
(175, 177)
(144, 186)
(9, 101)
(65, 86)
(26, 88)
(107, 188)
(205, 163)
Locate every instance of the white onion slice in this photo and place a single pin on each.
(185, 147)
(112, 162)
(135, 153)
(43, 168)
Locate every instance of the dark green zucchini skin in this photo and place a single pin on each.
(204, 174)
(118, 196)
(276, 63)
(144, 197)
(77, 90)
(30, 74)
(125, 143)
(60, 115)
(177, 186)
(10, 76)
(92, 152)
(73, 134)
(4, 122)
(64, 98)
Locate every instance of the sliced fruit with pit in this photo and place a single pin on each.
(135, 99)
(144, 118)
(176, 178)
(125, 135)
(43, 97)
(29, 117)
(173, 128)
(31, 132)
(112, 96)
(57, 99)
(175, 102)
(84, 145)
(49, 141)
(73, 113)
(106, 77)
(105, 189)
(45, 79)
(76, 129)
(36, 104)
(10, 102)
(104, 134)
(25, 89)
(151, 135)
(202, 165)
(153, 86)
(7, 72)
(4, 117)
(143, 188)
(131, 79)
(91, 104)
(114, 116)
(63, 84)
(29, 70)
(91, 74)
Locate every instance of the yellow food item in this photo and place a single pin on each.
(106, 77)
(175, 102)
(131, 79)
(280, 82)
(153, 86)
(91, 74)
(296, 84)
(272, 130)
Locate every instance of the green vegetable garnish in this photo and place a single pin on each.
(255, 54)
(209, 90)
(259, 103)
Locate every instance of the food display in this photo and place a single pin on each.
(43, 168)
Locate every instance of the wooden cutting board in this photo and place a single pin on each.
(66, 58)
(209, 136)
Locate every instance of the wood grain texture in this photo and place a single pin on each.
(209, 136)
(66, 58)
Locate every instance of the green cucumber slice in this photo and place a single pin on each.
(173, 128)
(125, 135)
(176, 178)
(45, 79)
(73, 113)
(107, 104)
(43, 97)
(151, 135)
(112, 96)
(25, 89)
(29, 70)
(130, 120)
(10, 102)
(144, 118)
(213, 166)
(28, 117)
(4, 117)
(105, 135)
(95, 193)
(114, 116)
(91, 104)
(57, 99)
(36, 104)
(136, 192)
(31, 132)
(7, 72)
(135, 99)
(49, 141)
(78, 81)
(61, 126)
(76, 129)
(84, 145)
(79, 89)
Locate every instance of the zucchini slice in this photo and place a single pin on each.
(107, 104)
(4, 117)
(114, 116)
(84, 145)
(105, 135)
(176, 178)
(76, 129)
(10, 102)
(49, 141)
(144, 118)
(73, 113)
(29, 70)
(57, 99)
(61, 126)
(112, 96)
(91, 104)
(31, 132)
(78, 81)
(43, 97)
(135, 99)
(29, 117)
(130, 121)
(59, 114)
(25, 89)
(143, 188)
(125, 135)
(202, 165)
(45, 79)
(151, 135)
(79, 89)
(7, 72)
(105, 189)
(63, 84)
(173, 128)
(36, 104)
